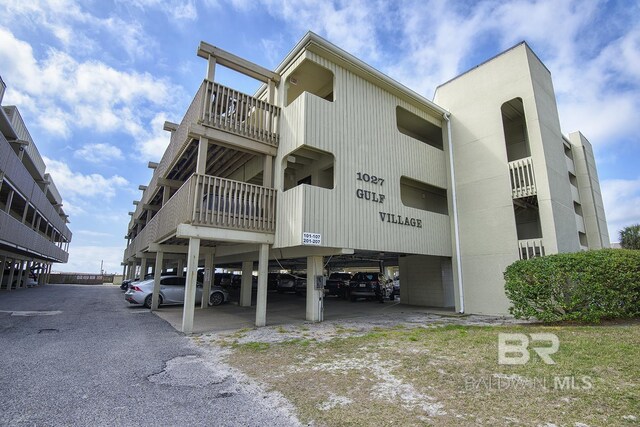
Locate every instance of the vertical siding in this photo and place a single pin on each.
(359, 129)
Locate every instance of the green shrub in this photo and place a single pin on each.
(585, 286)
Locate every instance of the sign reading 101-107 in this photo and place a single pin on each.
(369, 195)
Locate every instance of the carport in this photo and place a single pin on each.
(244, 308)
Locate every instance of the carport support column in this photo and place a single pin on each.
(12, 272)
(157, 274)
(20, 279)
(263, 269)
(208, 279)
(314, 296)
(190, 286)
(143, 268)
(245, 286)
(3, 260)
(180, 271)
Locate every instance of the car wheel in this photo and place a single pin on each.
(216, 298)
(149, 299)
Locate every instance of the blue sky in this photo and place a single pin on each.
(95, 80)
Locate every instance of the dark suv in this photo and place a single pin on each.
(338, 284)
(369, 286)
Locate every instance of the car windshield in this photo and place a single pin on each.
(340, 276)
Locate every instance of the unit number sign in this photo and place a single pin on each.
(311, 238)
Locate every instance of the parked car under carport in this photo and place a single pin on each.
(172, 289)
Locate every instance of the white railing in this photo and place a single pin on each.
(225, 203)
(523, 182)
(235, 112)
(530, 248)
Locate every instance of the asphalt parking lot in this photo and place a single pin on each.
(80, 355)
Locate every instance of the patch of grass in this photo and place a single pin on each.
(396, 376)
(281, 330)
(252, 346)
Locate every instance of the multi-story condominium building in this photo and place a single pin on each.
(331, 158)
(33, 225)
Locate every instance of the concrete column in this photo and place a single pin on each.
(12, 272)
(190, 287)
(26, 211)
(157, 274)
(49, 268)
(180, 267)
(263, 270)
(245, 286)
(314, 296)
(124, 271)
(143, 268)
(208, 279)
(3, 262)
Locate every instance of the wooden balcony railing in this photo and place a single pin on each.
(225, 203)
(530, 248)
(210, 201)
(235, 112)
(523, 182)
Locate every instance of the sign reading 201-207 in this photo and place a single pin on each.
(371, 196)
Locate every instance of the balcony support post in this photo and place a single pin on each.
(157, 274)
(267, 174)
(190, 285)
(261, 301)
(211, 68)
(246, 284)
(209, 272)
(201, 164)
(20, 277)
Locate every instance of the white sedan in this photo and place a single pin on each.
(171, 292)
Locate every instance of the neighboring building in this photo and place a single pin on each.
(33, 226)
(331, 158)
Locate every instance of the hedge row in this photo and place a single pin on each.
(585, 286)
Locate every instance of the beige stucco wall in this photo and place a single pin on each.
(590, 195)
(487, 224)
(426, 281)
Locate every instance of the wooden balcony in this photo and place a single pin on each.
(231, 111)
(210, 201)
(530, 248)
(222, 115)
(523, 182)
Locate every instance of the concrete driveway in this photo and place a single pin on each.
(282, 309)
(79, 355)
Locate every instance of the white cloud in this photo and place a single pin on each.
(76, 29)
(621, 199)
(99, 153)
(153, 145)
(174, 9)
(77, 186)
(63, 94)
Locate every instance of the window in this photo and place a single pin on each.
(309, 77)
(418, 128)
(308, 166)
(420, 195)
